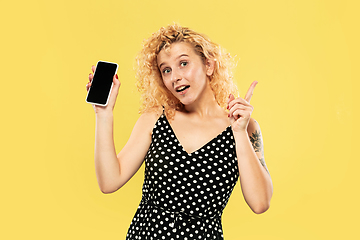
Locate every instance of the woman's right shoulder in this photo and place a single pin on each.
(151, 115)
(148, 119)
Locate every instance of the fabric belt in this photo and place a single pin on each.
(180, 215)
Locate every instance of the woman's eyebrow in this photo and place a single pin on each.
(161, 64)
(182, 55)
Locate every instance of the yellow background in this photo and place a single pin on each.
(305, 55)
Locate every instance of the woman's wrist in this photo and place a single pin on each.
(103, 113)
(240, 131)
(241, 135)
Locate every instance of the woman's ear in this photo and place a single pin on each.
(210, 66)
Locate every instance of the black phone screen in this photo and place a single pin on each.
(101, 83)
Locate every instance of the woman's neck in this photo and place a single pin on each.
(205, 106)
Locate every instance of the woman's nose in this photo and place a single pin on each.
(175, 76)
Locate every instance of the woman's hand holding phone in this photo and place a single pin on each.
(113, 94)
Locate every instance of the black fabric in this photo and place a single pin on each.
(184, 194)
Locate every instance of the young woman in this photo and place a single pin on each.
(194, 150)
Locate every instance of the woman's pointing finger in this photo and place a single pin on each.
(250, 91)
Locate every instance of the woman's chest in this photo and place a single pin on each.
(194, 135)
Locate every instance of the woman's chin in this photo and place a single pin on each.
(186, 102)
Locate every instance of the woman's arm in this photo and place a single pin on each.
(255, 179)
(113, 171)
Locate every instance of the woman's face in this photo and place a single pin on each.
(183, 72)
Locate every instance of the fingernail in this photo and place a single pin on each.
(116, 76)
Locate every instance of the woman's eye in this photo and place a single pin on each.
(183, 64)
(166, 70)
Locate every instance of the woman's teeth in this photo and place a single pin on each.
(182, 88)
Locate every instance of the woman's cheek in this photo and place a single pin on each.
(168, 85)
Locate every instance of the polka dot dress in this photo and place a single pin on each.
(184, 194)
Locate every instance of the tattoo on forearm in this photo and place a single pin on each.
(256, 141)
(262, 161)
(257, 144)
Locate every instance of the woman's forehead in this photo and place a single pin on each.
(174, 51)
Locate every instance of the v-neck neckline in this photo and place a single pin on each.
(199, 149)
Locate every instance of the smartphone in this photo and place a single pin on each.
(102, 83)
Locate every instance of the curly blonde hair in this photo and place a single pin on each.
(154, 94)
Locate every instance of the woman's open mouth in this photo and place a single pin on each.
(182, 88)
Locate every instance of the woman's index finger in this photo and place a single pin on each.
(250, 91)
